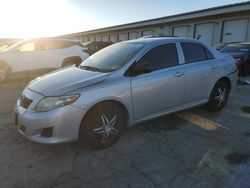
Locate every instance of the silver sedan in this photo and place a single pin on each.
(122, 85)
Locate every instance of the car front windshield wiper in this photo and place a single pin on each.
(90, 68)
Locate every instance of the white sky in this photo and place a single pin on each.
(40, 18)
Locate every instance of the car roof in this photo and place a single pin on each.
(239, 43)
(248, 43)
(149, 40)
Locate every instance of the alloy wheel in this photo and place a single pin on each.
(221, 96)
(107, 128)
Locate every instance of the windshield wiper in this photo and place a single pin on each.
(90, 68)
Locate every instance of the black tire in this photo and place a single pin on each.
(72, 61)
(219, 95)
(95, 132)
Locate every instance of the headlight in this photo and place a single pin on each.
(50, 103)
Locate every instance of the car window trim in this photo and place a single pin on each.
(204, 48)
(127, 72)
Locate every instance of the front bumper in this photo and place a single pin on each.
(64, 122)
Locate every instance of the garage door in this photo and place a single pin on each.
(122, 37)
(98, 38)
(133, 35)
(113, 38)
(105, 38)
(181, 31)
(235, 30)
(204, 32)
(147, 33)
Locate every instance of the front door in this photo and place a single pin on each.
(161, 89)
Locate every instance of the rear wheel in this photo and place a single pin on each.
(219, 96)
(102, 125)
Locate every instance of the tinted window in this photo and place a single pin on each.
(162, 56)
(193, 52)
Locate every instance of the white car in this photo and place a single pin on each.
(29, 55)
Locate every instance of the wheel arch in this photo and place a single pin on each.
(118, 103)
(227, 80)
(4, 64)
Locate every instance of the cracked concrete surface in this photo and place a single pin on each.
(171, 151)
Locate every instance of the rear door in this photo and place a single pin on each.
(200, 68)
(161, 89)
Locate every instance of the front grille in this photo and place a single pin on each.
(47, 132)
(25, 102)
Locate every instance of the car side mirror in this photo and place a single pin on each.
(142, 68)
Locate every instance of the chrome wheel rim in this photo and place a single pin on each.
(2, 75)
(107, 128)
(221, 97)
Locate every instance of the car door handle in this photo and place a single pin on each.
(179, 74)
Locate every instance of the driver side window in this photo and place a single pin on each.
(28, 47)
(160, 57)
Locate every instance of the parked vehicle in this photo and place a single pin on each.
(237, 50)
(95, 46)
(122, 85)
(29, 55)
(221, 45)
(241, 52)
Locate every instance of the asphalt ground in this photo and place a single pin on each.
(195, 148)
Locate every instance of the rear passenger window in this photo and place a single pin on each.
(193, 52)
(162, 56)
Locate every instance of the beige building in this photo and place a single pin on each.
(229, 23)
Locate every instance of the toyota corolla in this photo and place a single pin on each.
(122, 85)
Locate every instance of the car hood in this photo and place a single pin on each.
(65, 80)
(235, 55)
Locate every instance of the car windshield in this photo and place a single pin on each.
(113, 57)
(236, 48)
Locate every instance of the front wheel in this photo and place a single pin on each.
(219, 96)
(102, 125)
